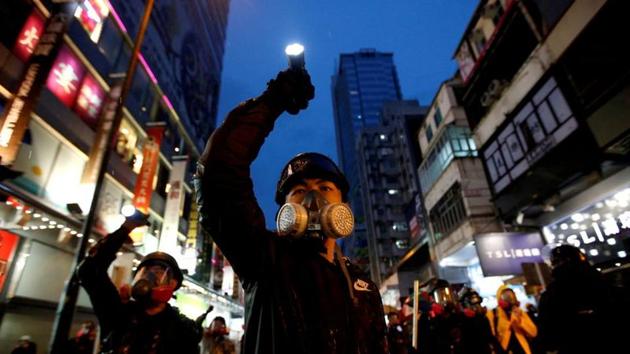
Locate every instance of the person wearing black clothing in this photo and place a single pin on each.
(25, 345)
(476, 332)
(301, 294)
(579, 310)
(146, 324)
(396, 336)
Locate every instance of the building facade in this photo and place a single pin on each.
(363, 81)
(546, 95)
(454, 187)
(42, 210)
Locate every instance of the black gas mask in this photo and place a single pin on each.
(316, 218)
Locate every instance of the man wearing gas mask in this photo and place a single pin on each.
(476, 332)
(301, 294)
(146, 324)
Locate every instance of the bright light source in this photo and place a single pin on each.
(52, 222)
(91, 241)
(73, 232)
(575, 226)
(176, 148)
(622, 254)
(79, 235)
(595, 217)
(128, 210)
(593, 252)
(42, 227)
(44, 219)
(599, 205)
(611, 241)
(392, 191)
(59, 226)
(36, 215)
(28, 211)
(294, 49)
(26, 228)
(564, 226)
(119, 254)
(66, 229)
(617, 264)
(383, 137)
(577, 217)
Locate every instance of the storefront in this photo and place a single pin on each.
(597, 221)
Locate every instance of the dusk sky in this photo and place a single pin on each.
(422, 34)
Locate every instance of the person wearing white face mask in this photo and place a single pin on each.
(302, 295)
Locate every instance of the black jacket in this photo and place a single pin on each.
(284, 280)
(125, 327)
(577, 312)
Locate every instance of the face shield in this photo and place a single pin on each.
(153, 282)
(444, 296)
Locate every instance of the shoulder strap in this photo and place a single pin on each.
(495, 318)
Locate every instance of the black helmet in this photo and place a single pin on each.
(469, 298)
(567, 254)
(166, 259)
(310, 165)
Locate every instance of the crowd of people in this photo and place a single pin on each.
(576, 314)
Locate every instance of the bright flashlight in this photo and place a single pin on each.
(295, 53)
(128, 210)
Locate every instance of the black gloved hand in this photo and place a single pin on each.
(291, 90)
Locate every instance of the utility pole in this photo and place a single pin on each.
(67, 303)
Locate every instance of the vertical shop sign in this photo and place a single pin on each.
(174, 198)
(29, 36)
(8, 243)
(17, 113)
(97, 151)
(150, 159)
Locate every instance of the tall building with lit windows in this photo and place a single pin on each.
(177, 83)
(363, 81)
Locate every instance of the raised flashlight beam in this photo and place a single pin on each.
(295, 53)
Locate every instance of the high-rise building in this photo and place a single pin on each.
(176, 83)
(387, 160)
(363, 81)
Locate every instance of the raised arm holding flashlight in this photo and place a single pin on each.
(302, 295)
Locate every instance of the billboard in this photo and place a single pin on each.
(503, 253)
(184, 48)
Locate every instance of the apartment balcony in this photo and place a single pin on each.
(489, 58)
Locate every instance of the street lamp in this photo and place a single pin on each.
(295, 54)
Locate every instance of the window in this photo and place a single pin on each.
(429, 133)
(437, 117)
(449, 212)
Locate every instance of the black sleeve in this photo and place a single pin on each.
(225, 196)
(93, 275)
(378, 330)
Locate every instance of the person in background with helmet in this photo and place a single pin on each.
(301, 294)
(146, 324)
(476, 333)
(579, 311)
(215, 339)
(510, 325)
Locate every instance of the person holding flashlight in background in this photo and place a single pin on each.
(301, 294)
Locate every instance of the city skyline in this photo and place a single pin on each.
(327, 29)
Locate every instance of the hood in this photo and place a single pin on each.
(500, 290)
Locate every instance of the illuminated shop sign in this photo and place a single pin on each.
(65, 77)
(600, 230)
(91, 14)
(29, 36)
(542, 123)
(90, 100)
(503, 253)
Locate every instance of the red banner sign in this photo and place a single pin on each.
(65, 76)
(29, 36)
(150, 159)
(90, 100)
(8, 243)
